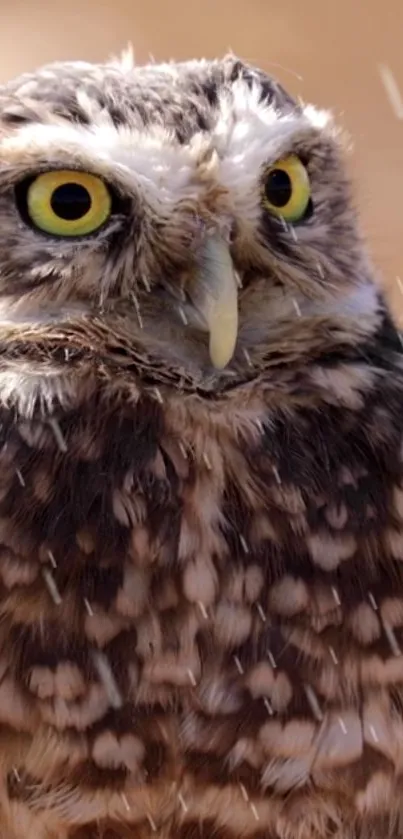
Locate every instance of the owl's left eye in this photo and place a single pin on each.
(68, 203)
(286, 191)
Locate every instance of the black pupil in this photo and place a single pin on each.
(70, 201)
(278, 188)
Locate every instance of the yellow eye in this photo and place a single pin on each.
(286, 189)
(68, 203)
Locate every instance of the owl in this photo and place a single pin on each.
(201, 466)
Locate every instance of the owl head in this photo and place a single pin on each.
(190, 223)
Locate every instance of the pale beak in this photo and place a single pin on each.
(216, 298)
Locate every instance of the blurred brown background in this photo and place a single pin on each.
(346, 55)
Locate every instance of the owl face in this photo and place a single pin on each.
(194, 211)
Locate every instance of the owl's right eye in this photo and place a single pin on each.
(286, 191)
(67, 203)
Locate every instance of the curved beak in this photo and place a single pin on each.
(215, 297)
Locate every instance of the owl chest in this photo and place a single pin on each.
(180, 621)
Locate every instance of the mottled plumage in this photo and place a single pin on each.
(201, 569)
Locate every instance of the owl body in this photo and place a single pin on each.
(201, 467)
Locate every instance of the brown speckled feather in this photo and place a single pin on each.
(201, 599)
(201, 613)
